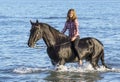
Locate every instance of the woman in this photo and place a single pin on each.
(72, 26)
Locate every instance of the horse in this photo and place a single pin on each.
(59, 47)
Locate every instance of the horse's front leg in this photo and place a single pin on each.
(61, 61)
(53, 62)
(60, 65)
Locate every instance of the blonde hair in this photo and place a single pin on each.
(74, 15)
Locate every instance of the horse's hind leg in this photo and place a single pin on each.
(94, 61)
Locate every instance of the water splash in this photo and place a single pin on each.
(85, 68)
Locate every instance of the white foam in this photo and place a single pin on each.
(87, 67)
(24, 70)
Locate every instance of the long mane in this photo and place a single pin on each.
(60, 37)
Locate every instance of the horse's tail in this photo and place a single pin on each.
(101, 53)
(102, 60)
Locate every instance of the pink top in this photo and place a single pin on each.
(72, 27)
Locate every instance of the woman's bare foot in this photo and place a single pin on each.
(80, 62)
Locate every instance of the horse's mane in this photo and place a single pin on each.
(60, 37)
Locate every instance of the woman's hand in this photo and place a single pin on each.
(73, 38)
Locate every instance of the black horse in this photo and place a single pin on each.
(59, 46)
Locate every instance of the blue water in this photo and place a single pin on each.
(19, 63)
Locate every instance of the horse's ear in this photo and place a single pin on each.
(31, 22)
(37, 21)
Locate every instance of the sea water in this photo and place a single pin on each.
(19, 63)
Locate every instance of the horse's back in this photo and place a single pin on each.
(89, 40)
(89, 46)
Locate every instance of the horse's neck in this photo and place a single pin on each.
(49, 39)
(52, 38)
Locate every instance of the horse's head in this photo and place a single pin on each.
(35, 33)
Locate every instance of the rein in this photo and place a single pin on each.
(63, 43)
(54, 45)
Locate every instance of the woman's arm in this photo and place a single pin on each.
(76, 28)
(76, 33)
(64, 29)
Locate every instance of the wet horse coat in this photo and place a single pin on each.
(59, 46)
